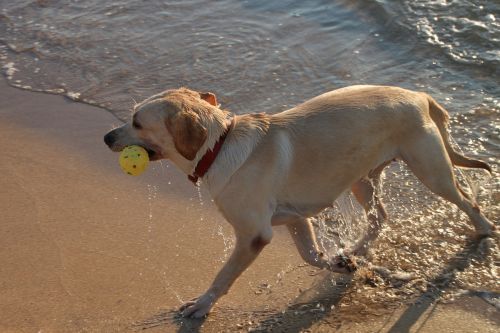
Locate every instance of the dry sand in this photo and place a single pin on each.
(86, 248)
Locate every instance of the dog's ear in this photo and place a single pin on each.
(209, 97)
(188, 133)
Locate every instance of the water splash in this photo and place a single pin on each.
(200, 196)
(470, 180)
(152, 193)
(339, 226)
(228, 243)
(227, 239)
(158, 268)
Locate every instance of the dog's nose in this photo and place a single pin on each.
(109, 139)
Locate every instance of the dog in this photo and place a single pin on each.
(264, 170)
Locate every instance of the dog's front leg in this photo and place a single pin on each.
(247, 248)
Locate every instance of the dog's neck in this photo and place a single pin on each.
(246, 133)
(216, 126)
(206, 161)
(241, 140)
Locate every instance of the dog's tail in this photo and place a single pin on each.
(441, 118)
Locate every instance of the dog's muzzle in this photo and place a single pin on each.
(110, 138)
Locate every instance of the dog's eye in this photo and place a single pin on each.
(136, 125)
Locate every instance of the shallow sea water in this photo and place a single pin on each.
(269, 56)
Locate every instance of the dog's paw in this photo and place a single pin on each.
(198, 307)
(343, 264)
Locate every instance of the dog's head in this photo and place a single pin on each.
(174, 124)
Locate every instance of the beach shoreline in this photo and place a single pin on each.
(86, 248)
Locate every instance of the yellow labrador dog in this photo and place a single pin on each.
(264, 170)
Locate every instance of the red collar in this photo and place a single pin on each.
(208, 159)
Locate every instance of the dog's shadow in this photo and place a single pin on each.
(476, 249)
(319, 301)
(166, 318)
(313, 304)
(309, 307)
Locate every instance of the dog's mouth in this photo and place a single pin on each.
(153, 154)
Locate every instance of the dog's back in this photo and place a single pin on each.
(338, 137)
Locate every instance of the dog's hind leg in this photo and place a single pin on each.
(367, 193)
(302, 233)
(425, 154)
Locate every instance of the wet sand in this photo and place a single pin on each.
(86, 248)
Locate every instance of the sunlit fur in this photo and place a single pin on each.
(287, 167)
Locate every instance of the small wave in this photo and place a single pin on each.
(467, 32)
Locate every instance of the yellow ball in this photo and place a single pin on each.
(134, 160)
